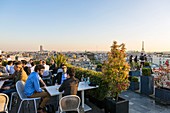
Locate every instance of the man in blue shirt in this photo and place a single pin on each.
(32, 87)
(61, 74)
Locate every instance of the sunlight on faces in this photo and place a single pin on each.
(41, 72)
(52, 61)
(18, 67)
(64, 69)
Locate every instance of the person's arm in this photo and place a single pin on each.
(3, 74)
(62, 87)
(4, 77)
(36, 84)
(42, 82)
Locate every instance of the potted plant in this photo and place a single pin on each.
(162, 89)
(115, 73)
(134, 83)
(136, 70)
(147, 81)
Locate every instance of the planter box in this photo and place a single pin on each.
(134, 86)
(111, 106)
(147, 85)
(134, 73)
(162, 95)
(95, 101)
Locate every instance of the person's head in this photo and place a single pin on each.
(71, 72)
(31, 60)
(32, 64)
(0, 60)
(40, 62)
(24, 62)
(39, 69)
(18, 66)
(8, 56)
(64, 67)
(0, 63)
(52, 61)
(10, 63)
(43, 62)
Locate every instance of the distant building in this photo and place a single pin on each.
(41, 48)
(143, 50)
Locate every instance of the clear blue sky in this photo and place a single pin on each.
(79, 25)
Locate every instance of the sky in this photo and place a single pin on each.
(79, 25)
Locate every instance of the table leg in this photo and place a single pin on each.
(82, 96)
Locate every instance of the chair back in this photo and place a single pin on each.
(69, 103)
(3, 102)
(20, 89)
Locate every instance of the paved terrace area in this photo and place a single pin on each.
(138, 103)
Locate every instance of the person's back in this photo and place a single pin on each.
(130, 58)
(70, 85)
(136, 59)
(142, 58)
(53, 67)
(30, 84)
(32, 87)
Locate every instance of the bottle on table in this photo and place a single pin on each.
(82, 78)
(88, 80)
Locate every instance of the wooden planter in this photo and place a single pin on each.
(134, 86)
(147, 85)
(162, 95)
(134, 73)
(111, 106)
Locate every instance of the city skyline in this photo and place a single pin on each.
(90, 25)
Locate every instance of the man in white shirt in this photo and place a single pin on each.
(46, 71)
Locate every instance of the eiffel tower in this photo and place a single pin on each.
(143, 47)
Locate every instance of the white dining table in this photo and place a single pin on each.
(53, 91)
(1, 83)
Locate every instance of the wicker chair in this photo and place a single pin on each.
(69, 103)
(4, 102)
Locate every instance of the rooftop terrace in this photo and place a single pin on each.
(138, 103)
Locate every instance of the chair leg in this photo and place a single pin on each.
(20, 106)
(35, 106)
(6, 111)
(78, 110)
(11, 100)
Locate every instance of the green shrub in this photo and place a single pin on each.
(134, 79)
(95, 77)
(146, 71)
(4, 62)
(146, 64)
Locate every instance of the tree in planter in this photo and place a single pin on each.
(116, 70)
(59, 59)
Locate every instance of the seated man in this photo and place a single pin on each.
(61, 74)
(25, 67)
(19, 74)
(70, 85)
(32, 87)
(3, 71)
(53, 67)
